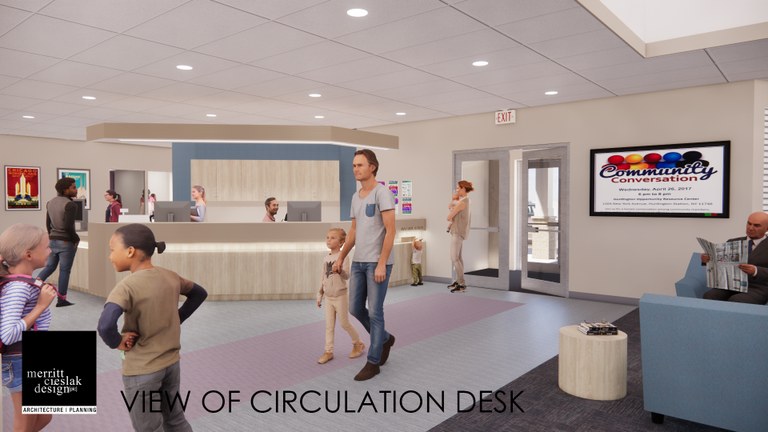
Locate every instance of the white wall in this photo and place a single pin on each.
(160, 183)
(50, 154)
(130, 184)
(615, 256)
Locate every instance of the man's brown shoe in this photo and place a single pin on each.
(368, 371)
(358, 348)
(325, 358)
(385, 350)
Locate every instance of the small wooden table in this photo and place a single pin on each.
(591, 366)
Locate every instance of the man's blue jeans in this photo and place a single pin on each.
(62, 255)
(361, 287)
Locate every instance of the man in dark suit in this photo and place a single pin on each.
(756, 267)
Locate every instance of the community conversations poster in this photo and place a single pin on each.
(673, 180)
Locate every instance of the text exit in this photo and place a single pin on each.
(505, 117)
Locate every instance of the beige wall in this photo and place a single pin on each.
(50, 154)
(630, 255)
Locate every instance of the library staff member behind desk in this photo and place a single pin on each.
(113, 208)
(197, 213)
(272, 206)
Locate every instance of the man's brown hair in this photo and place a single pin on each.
(371, 157)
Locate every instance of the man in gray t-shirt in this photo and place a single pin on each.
(373, 232)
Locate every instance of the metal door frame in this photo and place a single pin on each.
(561, 152)
(501, 155)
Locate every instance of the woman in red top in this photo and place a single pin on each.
(115, 204)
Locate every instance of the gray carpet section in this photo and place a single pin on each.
(534, 402)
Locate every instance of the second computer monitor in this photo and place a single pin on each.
(79, 209)
(304, 211)
(172, 211)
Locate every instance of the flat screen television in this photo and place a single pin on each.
(172, 211)
(304, 211)
(668, 180)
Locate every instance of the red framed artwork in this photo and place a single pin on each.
(22, 188)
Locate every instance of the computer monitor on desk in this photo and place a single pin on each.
(304, 211)
(172, 211)
(81, 215)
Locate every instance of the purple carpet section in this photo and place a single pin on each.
(281, 359)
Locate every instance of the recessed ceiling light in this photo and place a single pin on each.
(480, 63)
(184, 67)
(357, 13)
(211, 115)
(400, 113)
(319, 116)
(89, 97)
(550, 93)
(27, 116)
(315, 95)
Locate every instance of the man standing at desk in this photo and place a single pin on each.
(373, 232)
(272, 207)
(756, 267)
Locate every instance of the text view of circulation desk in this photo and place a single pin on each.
(242, 261)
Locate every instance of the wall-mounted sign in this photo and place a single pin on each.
(505, 117)
(407, 206)
(675, 180)
(406, 188)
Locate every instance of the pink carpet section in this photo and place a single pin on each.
(281, 359)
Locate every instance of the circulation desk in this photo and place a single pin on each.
(241, 261)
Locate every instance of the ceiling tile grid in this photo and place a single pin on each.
(194, 23)
(52, 37)
(329, 19)
(116, 16)
(271, 10)
(126, 53)
(257, 61)
(259, 42)
(22, 64)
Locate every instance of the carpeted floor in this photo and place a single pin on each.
(547, 408)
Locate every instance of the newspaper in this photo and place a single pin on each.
(723, 267)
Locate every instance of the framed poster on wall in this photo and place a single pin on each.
(82, 181)
(406, 189)
(407, 206)
(22, 188)
(671, 180)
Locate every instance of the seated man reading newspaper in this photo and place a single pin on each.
(737, 270)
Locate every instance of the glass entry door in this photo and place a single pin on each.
(486, 250)
(544, 262)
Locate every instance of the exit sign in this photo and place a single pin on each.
(505, 117)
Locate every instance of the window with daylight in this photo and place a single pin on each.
(765, 160)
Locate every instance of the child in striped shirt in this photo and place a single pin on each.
(23, 306)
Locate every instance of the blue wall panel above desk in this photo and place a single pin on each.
(184, 153)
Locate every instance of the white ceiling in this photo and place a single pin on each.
(255, 61)
(659, 20)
